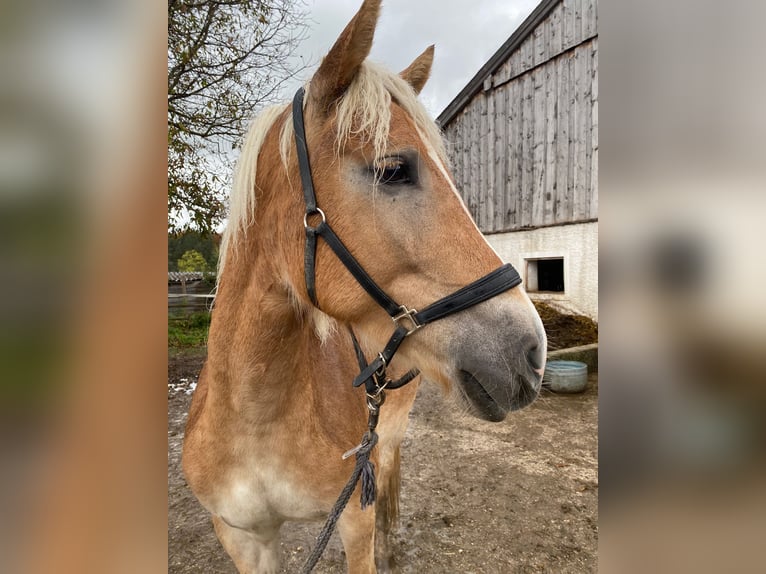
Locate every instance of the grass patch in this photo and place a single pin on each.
(186, 331)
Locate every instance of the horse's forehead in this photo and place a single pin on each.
(402, 130)
(403, 127)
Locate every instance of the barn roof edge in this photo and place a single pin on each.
(521, 33)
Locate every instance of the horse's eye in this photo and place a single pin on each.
(393, 171)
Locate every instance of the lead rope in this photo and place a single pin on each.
(364, 470)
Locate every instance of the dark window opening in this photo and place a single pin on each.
(545, 274)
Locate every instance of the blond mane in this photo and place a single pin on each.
(364, 111)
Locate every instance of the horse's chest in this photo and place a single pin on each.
(261, 492)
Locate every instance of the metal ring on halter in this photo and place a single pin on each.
(381, 371)
(379, 397)
(306, 217)
(375, 401)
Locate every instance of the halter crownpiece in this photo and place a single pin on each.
(406, 321)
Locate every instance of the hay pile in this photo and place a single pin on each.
(566, 330)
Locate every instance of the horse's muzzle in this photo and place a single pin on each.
(498, 378)
(493, 402)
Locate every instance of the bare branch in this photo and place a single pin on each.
(226, 59)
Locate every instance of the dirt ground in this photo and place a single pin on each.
(518, 496)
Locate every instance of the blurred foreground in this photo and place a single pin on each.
(83, 312)
(683, 395)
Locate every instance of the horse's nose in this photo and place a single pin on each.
(536, 357)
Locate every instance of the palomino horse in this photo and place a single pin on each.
(274, 409)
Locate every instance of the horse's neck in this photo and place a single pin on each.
(255, 347)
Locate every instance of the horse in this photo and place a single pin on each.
(274, 410)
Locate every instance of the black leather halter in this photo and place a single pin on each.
(406, 321)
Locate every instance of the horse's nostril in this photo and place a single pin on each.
(536, 357)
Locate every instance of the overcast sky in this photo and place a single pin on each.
(466, 34)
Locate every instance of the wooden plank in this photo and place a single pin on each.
(572, 152)
(473, 168)
(482, 191)
(514, 63)
(554, 38)
(589, 18)
(594, 85)
(587, 103)
(455, 136)
(595, 16)
(460, 155)
(465, 188)
(594, 185)
(566, 212)
(577, 132)
(475, 156)
(577, 142)
(508, 156)
(578, 37)
(476, 177)
(460, 159)
(520, 147)
(539, 46)
(528, 56)
(511, 115)
(527, 120)
(538, 143)
(551, 101)
(582, 58)
(459, 151)
(449, 145)
(501, 74)
(568, 21)
(594, 134)
(501, 156)
(491, 191)
(513, 206)
(562, 140)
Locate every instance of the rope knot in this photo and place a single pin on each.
(367, 469)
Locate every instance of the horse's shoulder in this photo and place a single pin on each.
(198, 401)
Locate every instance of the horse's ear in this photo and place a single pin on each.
(342, 63)
(417, 73)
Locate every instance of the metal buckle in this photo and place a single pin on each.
(407, 314)
(382, 370)
(374, 401)
(315, 212)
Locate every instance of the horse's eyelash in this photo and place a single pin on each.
(389, 163)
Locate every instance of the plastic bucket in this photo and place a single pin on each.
(566, 376)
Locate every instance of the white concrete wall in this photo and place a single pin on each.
(577, 244)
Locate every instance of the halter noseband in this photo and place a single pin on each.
(406, 321)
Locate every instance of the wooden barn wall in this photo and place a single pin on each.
(524, 151)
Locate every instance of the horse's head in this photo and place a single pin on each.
(379, 171)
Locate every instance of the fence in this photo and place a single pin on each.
(189, 292)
